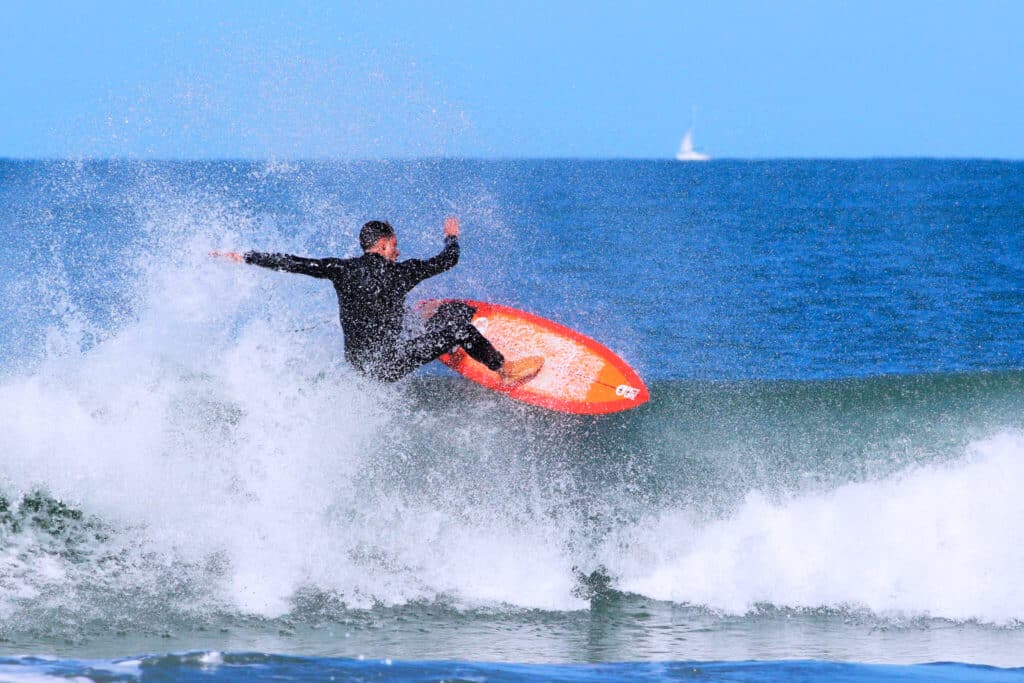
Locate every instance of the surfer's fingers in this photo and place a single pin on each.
(428, 308)
(451, 226)
(229, 255)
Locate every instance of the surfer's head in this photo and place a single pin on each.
(378, 237)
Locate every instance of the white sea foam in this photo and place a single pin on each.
(940, 541)
(23, 674)
(45, 669)
(219, 442)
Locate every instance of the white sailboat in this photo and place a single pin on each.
(687, 152)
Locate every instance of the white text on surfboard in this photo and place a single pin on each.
(627, 391)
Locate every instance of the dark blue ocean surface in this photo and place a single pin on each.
(768, 270)
(248, 667)
(828, 470)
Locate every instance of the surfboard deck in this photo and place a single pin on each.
(579, 375)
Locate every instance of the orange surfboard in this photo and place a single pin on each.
(579, 374)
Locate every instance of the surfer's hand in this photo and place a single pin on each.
(451, 226)
(428, 309)
(229, 255)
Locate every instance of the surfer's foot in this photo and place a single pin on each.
(515, 373)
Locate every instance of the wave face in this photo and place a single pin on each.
(185, 451)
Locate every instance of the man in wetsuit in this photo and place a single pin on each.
(371, 300)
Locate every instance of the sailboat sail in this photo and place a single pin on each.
(686, 151)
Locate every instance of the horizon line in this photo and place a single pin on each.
(671, 160)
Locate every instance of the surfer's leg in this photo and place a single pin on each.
(454, 322)
(447, 329)
(457, 318)
(481, 350)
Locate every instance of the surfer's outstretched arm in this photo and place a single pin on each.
(314, 267)
(415, 271)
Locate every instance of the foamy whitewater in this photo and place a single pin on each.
(188, 463)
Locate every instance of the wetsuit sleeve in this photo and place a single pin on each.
(315, 267)
(415, 270)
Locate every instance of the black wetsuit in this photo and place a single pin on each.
(371, 301)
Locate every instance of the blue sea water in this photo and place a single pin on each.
(825, 484)
(211, 666)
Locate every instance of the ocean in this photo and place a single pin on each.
(825, 484)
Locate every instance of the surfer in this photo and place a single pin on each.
(371, 300)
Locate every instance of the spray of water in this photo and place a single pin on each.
(211, 454)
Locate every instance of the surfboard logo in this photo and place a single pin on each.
(627, 391)
(480, 324)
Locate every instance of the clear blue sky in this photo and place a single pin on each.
(511, 79)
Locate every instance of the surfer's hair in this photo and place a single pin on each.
(373, 231)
